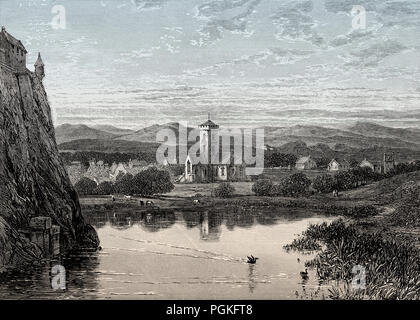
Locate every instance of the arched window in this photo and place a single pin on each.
(188, 167)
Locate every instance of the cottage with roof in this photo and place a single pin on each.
(305, 163)
(338, 164)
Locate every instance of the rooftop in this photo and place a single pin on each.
(12, 40)
(209, 123)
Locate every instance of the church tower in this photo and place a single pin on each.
(39, 67)
(209, 134)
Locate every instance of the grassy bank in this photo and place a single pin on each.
(392, 267)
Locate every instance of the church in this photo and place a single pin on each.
(225, 170)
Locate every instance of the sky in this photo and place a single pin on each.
(134, 63)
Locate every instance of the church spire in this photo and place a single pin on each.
(39, 67)
(39, 61)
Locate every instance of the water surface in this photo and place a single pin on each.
(175, 255)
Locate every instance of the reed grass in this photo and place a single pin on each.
(392, 267)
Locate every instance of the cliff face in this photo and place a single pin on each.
(33, 181)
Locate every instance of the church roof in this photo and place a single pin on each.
(303, 160)
(12, 40)
(209, 123)
(39, 61)
(340, 161)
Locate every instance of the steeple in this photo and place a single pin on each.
(39, 67)
(39, 61)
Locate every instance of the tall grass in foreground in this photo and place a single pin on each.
(392, 268)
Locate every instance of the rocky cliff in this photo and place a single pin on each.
(33, 181)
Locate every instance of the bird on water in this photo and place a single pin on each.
(252, 259)
(304, 274)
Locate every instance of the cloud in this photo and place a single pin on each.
(221, 16)
(149, 4)
(294, 21)
(373, 54)
(351, 37)
(337, 6)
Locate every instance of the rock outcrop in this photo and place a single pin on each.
(33, 181)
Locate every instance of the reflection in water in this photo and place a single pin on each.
(36, 282)
(145, 257)
(209, 223)
(252, 284)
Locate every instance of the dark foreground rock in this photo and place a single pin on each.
(33, 181)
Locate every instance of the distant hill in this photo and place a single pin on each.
(111, 129)
(312, 135)
(149, 134)
(375, 130)
(106, 145)
(361, 140)
(70, 132)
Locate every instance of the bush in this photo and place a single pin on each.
(361, 211)
(104, 188)
(295, 185)
(85, 186)
(275, 159)
(262, 187)
(224, 190)
(124, 183)
(407, 212)
(324, 183)
(152, 181)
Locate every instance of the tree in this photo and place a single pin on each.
(295, 184)
(224, 190)
(324, 183)
(152, 181)
(344, 180)
(104, 188)
(262, 187)
(276, 159)
(124, 184)
(85, 186)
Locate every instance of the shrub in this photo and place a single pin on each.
(124, 183)
(224, 190)
(85, 186)
(152, 181)
(362, 211)
(104, 188)
(262, 187)
(324, 183)
(407, 212)
(295, 185)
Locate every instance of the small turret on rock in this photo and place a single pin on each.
(39, 67)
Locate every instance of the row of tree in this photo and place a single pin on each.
(298, 183)
(107, 157)
(293, 185)
(147, 182)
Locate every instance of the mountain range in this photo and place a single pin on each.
(360, 138)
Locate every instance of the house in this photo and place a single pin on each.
(369, 164)
(338, 164)
(305, 163)
(225, 170)
(384, 166)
